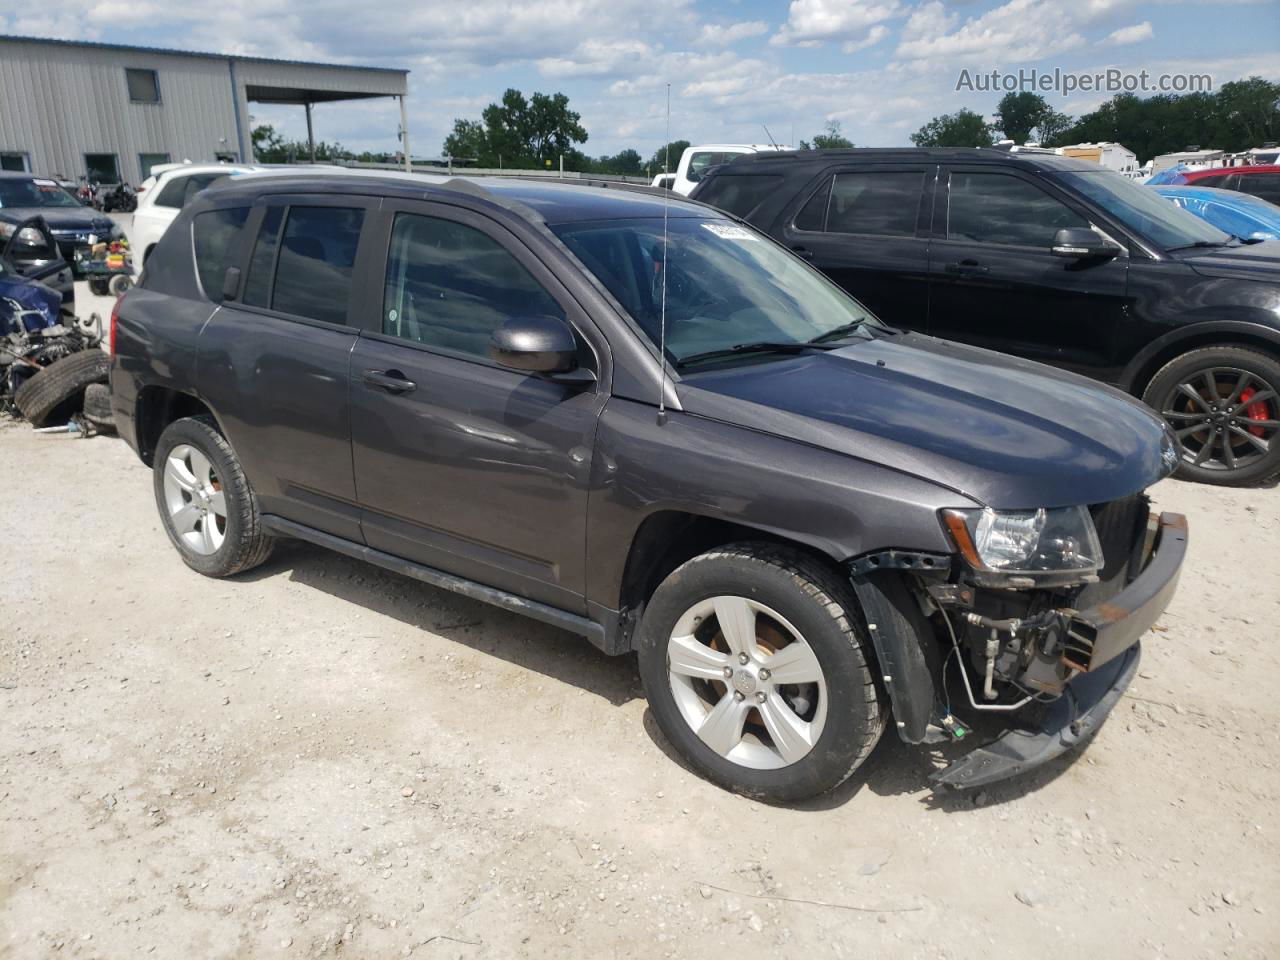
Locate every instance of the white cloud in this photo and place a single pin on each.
(1131, 34)
(874, 36)
(1017, 31)
(812, 22)
(726, 35)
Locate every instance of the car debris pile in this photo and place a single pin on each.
(49, 358)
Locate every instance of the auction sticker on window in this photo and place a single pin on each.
(728, 231)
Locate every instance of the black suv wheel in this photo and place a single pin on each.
(206, 504)
(1224, 405)
(757, 671)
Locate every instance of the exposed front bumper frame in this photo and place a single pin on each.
(1110, 633)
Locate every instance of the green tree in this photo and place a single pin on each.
(519, 132)
(673, 149)
(1051, 128)
(831, 138)
(625, 163)
(1251, 111)
(1018, 114)
(964, 128)
(268, 146)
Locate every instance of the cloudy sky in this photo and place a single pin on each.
(880, 67)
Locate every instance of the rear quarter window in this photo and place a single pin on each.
(303, 261)
(739, 195)
(215, 235)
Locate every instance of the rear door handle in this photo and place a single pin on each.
(967, 268)
(802, 253)
(392, 381)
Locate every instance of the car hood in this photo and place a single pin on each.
(1254, 261)
(1006, 432)
(60, 218)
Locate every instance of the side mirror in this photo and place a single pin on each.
(544, 345)
(1077, 243)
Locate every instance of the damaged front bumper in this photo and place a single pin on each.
(1103, 646)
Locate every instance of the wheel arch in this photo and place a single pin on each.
(667, 538)
(1226, 333)
(159, 406)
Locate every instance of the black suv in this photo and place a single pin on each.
(1049, 258)
(804, 522)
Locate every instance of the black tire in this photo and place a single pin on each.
(59, 387)
(99, 286)
(1223, 365)
(822, 607)
(97, 406)
(245, 544)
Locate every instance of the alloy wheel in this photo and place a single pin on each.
(195, 500)
(1225, 418)
(747, 682)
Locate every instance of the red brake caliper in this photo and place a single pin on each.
(1254, 411)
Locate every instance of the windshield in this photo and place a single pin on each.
(34, 193)
(1144, 211)
(726, 284)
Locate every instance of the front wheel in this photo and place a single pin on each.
(1223, 404)
(206, 504)
(756, 668)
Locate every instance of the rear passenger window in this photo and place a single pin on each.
(814, 214)
(314, 253)
(214, 234)
(451, 286)
(177, 193)
(881, 202)
(1264, 185)
(997, 208)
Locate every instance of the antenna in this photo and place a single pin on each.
(662, 320)
(769, 135)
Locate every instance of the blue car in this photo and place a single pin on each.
(1245, 216)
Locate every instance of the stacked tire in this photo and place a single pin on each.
(59, 390)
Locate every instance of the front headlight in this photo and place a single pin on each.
(1061, 540)
(6, 230)
(31, 236)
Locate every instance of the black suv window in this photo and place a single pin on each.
(313, 251)
(739, 195)
(450, 285)
(998, 208)
(214, 235)
(881, 202)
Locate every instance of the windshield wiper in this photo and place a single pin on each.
(840, 332)
(1214, 244)
(760, 346)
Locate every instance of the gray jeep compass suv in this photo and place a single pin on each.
(636, 418)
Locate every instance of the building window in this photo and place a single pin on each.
(148, 160)
(14, 161)
(144, 86)
(101, 168)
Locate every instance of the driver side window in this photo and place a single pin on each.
(1002, 209)
(449, 285)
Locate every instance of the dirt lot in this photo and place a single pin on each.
(322, 759)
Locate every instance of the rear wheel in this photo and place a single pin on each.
(755, 667)
(205, 501)
(1223, 404)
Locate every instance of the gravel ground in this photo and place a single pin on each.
(321, 759)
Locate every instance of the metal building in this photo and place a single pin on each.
(110, 112)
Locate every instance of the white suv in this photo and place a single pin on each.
(695, 161)
(162, 196)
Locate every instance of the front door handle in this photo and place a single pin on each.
(967, 268)
(802, 253)
(392, 381)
